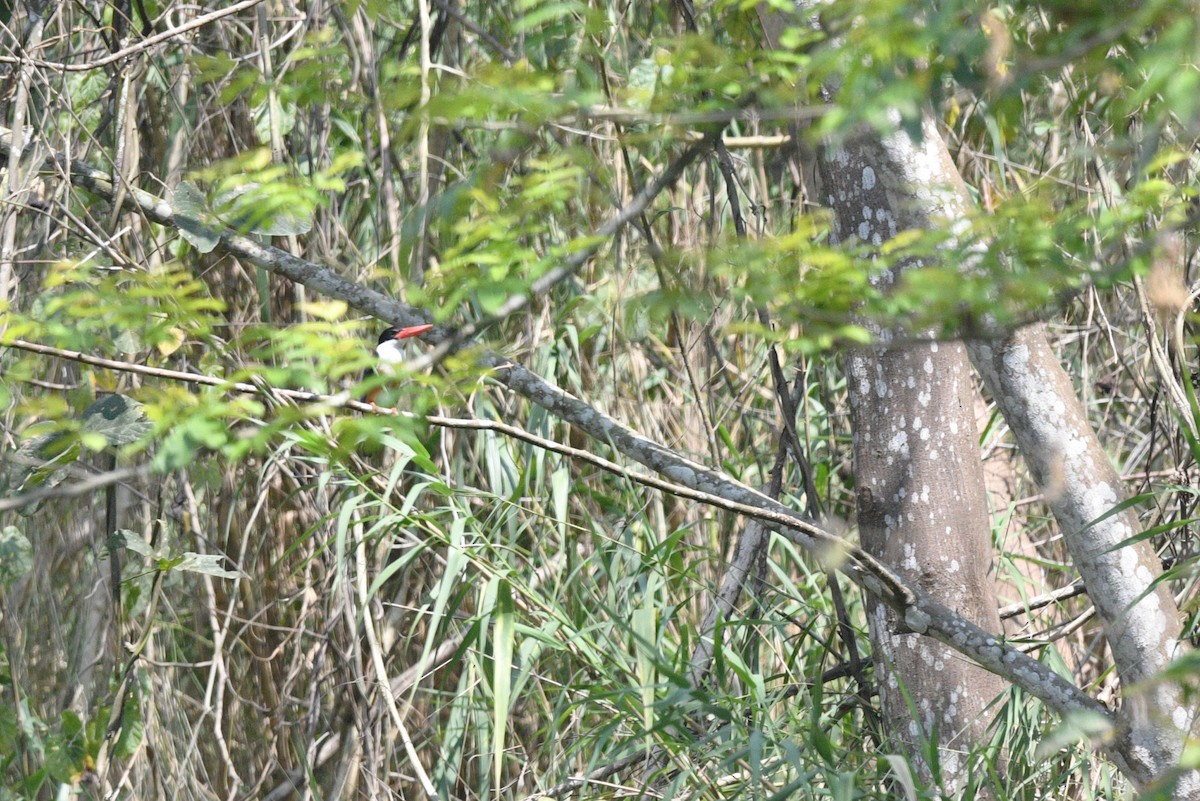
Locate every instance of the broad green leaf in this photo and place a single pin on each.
(16, 555)
(133, 727)
(120, 420)
(207, 564)
(10, 729)
(196, 223)
(1078, 726)
(283, 114)
(41, 462)
(133, 541)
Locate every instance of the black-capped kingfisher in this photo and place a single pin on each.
(391, 352)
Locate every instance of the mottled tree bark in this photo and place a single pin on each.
(879, 185)
(921, 498)
(921, 502)
(1142, 626)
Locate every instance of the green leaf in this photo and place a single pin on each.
(492, 297)
(71, 723)
(40, 463)
(133, 727)
(196, 224)
(207, 564)
(120, 420)
(284, 115)
(281, 223)
(16, 555)
(10, 729)
(267, 209)
(502, 652)
(64, 760)
(127, 342)
(1077, 726)
(133, 541)
(65, 750)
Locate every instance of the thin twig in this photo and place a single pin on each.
(468, 423)
(134, 49)
(88, 485)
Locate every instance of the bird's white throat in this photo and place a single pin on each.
(391, 352)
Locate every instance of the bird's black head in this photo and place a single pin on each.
(394, 333)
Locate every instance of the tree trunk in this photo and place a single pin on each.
(920, 489)
(878, 186)
(1141, 624)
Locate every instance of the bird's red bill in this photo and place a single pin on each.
(412, 331)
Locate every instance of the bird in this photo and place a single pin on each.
(391, 353)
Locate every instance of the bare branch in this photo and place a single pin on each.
(85, 487)
(139, 47)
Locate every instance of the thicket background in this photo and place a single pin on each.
(319, 602)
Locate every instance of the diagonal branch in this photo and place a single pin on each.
(918, 611)
(138, 47)
(84, 487)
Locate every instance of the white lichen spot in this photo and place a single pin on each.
(916, 620)
(1128, 559)
(924, 397)
(867, 212)
(1181, 717)
(899, 444)
(684, 475)
(924, 434)
(868, 178)
(928, 366)
(864, 230)
(954, 566)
